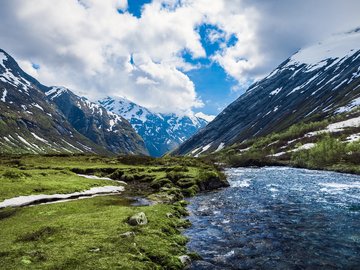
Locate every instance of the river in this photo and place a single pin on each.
(278, 218)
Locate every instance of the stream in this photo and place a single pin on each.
(278, 218)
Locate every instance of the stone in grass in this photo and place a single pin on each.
(169, 215)
(127, 234)
(185, 260)
(138, 219)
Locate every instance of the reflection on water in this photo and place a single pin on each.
(278, 218)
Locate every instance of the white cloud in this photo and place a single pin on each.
(207, 117)
(88, 46)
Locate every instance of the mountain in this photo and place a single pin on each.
(161, 132)
(33, 119)
(104, 128)
(315, 83)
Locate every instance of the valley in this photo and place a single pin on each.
(204, 135)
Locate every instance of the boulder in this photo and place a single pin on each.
(138, 219)
(185, 260)
(127, 234)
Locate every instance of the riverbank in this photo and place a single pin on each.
(332, 144)
(244, 162)
(96, 232)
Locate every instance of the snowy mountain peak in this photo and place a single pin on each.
(126, 108)
(161, 132)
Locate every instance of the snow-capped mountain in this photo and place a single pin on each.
(104, 128)
(161, 132)
(316, 82)
(38, 119)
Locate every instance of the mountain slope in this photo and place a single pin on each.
(39, 119)
(161, 132)
(315, 83)
(104, 128)
(28, 122)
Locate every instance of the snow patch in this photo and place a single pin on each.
(221, 146)
(275, 92)
(205, 148)
(33, 199)
(39, 138)
(353, 137)
(4, 95)
(55, 92)
(350, 106)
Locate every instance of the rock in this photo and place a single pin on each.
(127, 234)
(94, 250)
(138, 219)
(169, 215)
(185, 260)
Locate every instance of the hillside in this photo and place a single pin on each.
(332, 144)
(38, 119)
(316, 83)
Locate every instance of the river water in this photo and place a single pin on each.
(278, 218)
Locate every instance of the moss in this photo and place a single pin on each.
(186, 182)
(14, 174)
(190, 191)
(39, 234)
(174, 176)
(117, 174)
(7, 212)
(161, 182)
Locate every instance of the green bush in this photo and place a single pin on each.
(14, 174)
(326, 152)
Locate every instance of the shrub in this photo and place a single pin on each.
(326, 152)
(13, 174)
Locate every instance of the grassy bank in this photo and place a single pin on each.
(313, 145)
(89, 233)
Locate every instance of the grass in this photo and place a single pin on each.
(86, 234)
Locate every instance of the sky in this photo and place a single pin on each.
(183, 56)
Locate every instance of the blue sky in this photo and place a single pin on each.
(167, 55)
(212, 83)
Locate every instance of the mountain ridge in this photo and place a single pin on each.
(33, 123)
(161, 132)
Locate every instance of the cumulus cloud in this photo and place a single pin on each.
(97, 48)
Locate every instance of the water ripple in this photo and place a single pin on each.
(278, 218)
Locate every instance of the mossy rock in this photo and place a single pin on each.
(175, 176)
(117, 174)
(186, 182)
(158, 183)
(164, 259)
(209, 180)
(190, 191)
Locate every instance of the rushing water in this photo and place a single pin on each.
(278, 218)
